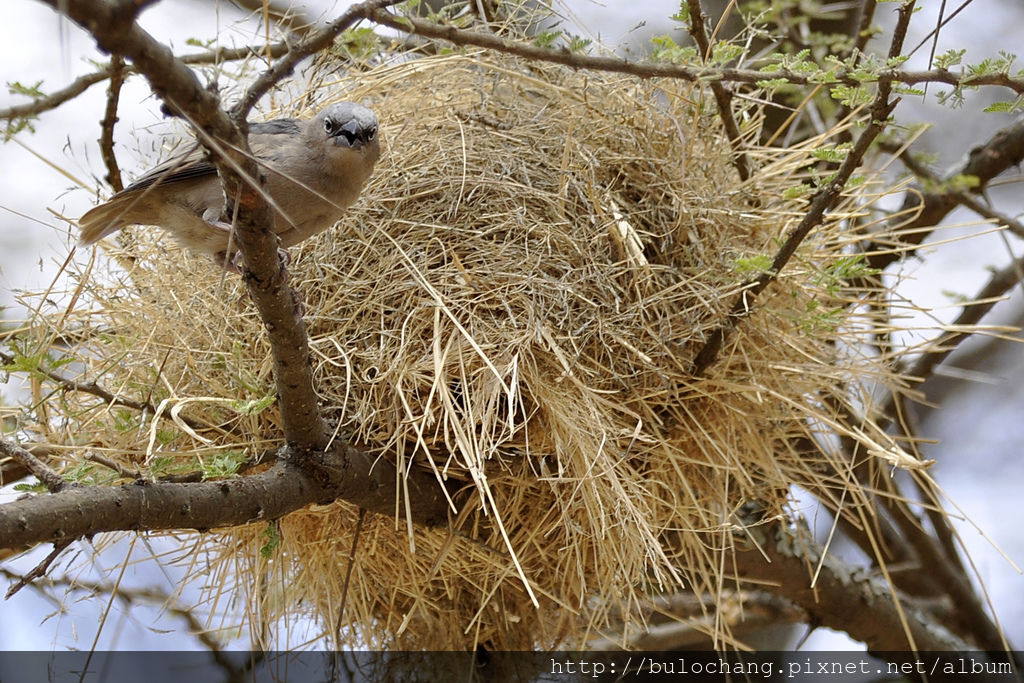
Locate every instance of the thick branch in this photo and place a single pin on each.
(1002, 151)
(359, 478)
(843, 597)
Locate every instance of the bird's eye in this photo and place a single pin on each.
(371, 133)
(329, 126)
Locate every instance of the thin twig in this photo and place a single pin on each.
(348, 570)
(83, 83)
(113, 177)
(867, 15)
(39, 570)
(114, 465)
(53, 481)
(112, 399)
(312, 43)
(968, 615)
(458, 36)
(722, 95)
(1001, 282)
(822, 201)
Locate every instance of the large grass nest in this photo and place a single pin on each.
(515, 304)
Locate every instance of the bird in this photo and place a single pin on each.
(313, 171)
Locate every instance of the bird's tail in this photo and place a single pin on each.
(105, 219)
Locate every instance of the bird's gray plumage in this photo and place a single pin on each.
(314, 169)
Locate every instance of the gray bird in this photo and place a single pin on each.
(314, 170)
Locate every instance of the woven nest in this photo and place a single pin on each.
(514, 304)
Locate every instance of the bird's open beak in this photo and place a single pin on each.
(350, 134)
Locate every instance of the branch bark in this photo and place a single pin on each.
(1001, 152)
(83, 83)
(722, 96)
(783, 561)
(355, 476)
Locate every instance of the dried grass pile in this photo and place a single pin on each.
(515, 304)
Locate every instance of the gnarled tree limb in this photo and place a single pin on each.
(80, 511)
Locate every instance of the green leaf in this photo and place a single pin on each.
(223, 464)
(272, 540)
(578, 43)
(31, 488)
(832, 153)
(949, 58)
(772, 84)
(357, 43)
(724, 52)
(18, 88)
(758, 264)
(797, 191)
(666, 49)
(546, 38)
(1007, 106)
(851, 96)
(254, 406)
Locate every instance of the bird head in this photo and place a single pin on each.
(349, 125)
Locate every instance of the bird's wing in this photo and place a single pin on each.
(265, 138)
(185, 166)
(193, 163)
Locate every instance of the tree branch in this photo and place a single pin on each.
(1001, 282)
(113, 177)
(842, 597)
(563, 56)
(722, 96)
(822, 201)
(83, 83)
(685, 621)
(101, 392)
(962, 198)
(53, 481)
(1002, 151)
(867, 15)
(357, 477)
(314, 42)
